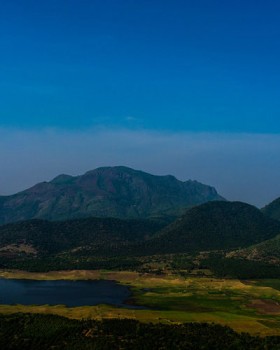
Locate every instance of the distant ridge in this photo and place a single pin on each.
(119, 192)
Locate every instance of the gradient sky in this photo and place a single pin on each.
(170, 67)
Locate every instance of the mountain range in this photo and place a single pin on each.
(119, 192)
(216, 225)
(114, 216)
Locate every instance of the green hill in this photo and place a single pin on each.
(41, 237)
(105, 192)
(273, 209)
(211, 226)
(214, 226)
(267, 251)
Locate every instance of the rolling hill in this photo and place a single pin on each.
(216, 225)
(211, 226)
(267, 251)
(41, 237)
(118, 192)
(273, 209)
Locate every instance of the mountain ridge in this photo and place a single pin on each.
(119, 192)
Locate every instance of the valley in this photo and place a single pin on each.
(189, 260)
(245, 306)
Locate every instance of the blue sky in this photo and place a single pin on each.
(182, 87)
(162, 65)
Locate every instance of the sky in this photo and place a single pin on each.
(189, 88)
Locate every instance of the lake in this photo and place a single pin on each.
(69, 293)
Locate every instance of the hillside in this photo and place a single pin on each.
(216, 225)
(105, 192)
(56, 332)
(41, 237)
(273, 209)
(213, 226)
(267, 251)
(92, 243)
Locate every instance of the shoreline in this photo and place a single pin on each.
(123, 277)
(169, 298)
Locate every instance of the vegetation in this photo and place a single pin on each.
(266, 252)
(272, 210)
(251, 306)
(212, 226)
(95, 234)
(188, 270)
(108, 243)
(240, 268)
(48, 331)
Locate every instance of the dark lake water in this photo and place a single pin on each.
(69, 293)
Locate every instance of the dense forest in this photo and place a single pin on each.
(240, 268)
(35, 331)
(47, 237)
(218, 228)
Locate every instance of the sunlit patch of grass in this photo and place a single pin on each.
(237, 322)
(272, 283)
(52, 275)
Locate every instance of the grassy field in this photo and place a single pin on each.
(251, 306)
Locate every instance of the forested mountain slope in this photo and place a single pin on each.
(105, 192)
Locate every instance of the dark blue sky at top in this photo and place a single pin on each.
(165, 65)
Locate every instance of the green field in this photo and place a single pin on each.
(245, 306)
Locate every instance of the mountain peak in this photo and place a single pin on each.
(63, 178)
(106, 192)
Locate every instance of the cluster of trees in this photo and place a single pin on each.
(68, 262)
(35, 331)
(217, 263)
(240, 268)
(98, 233)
